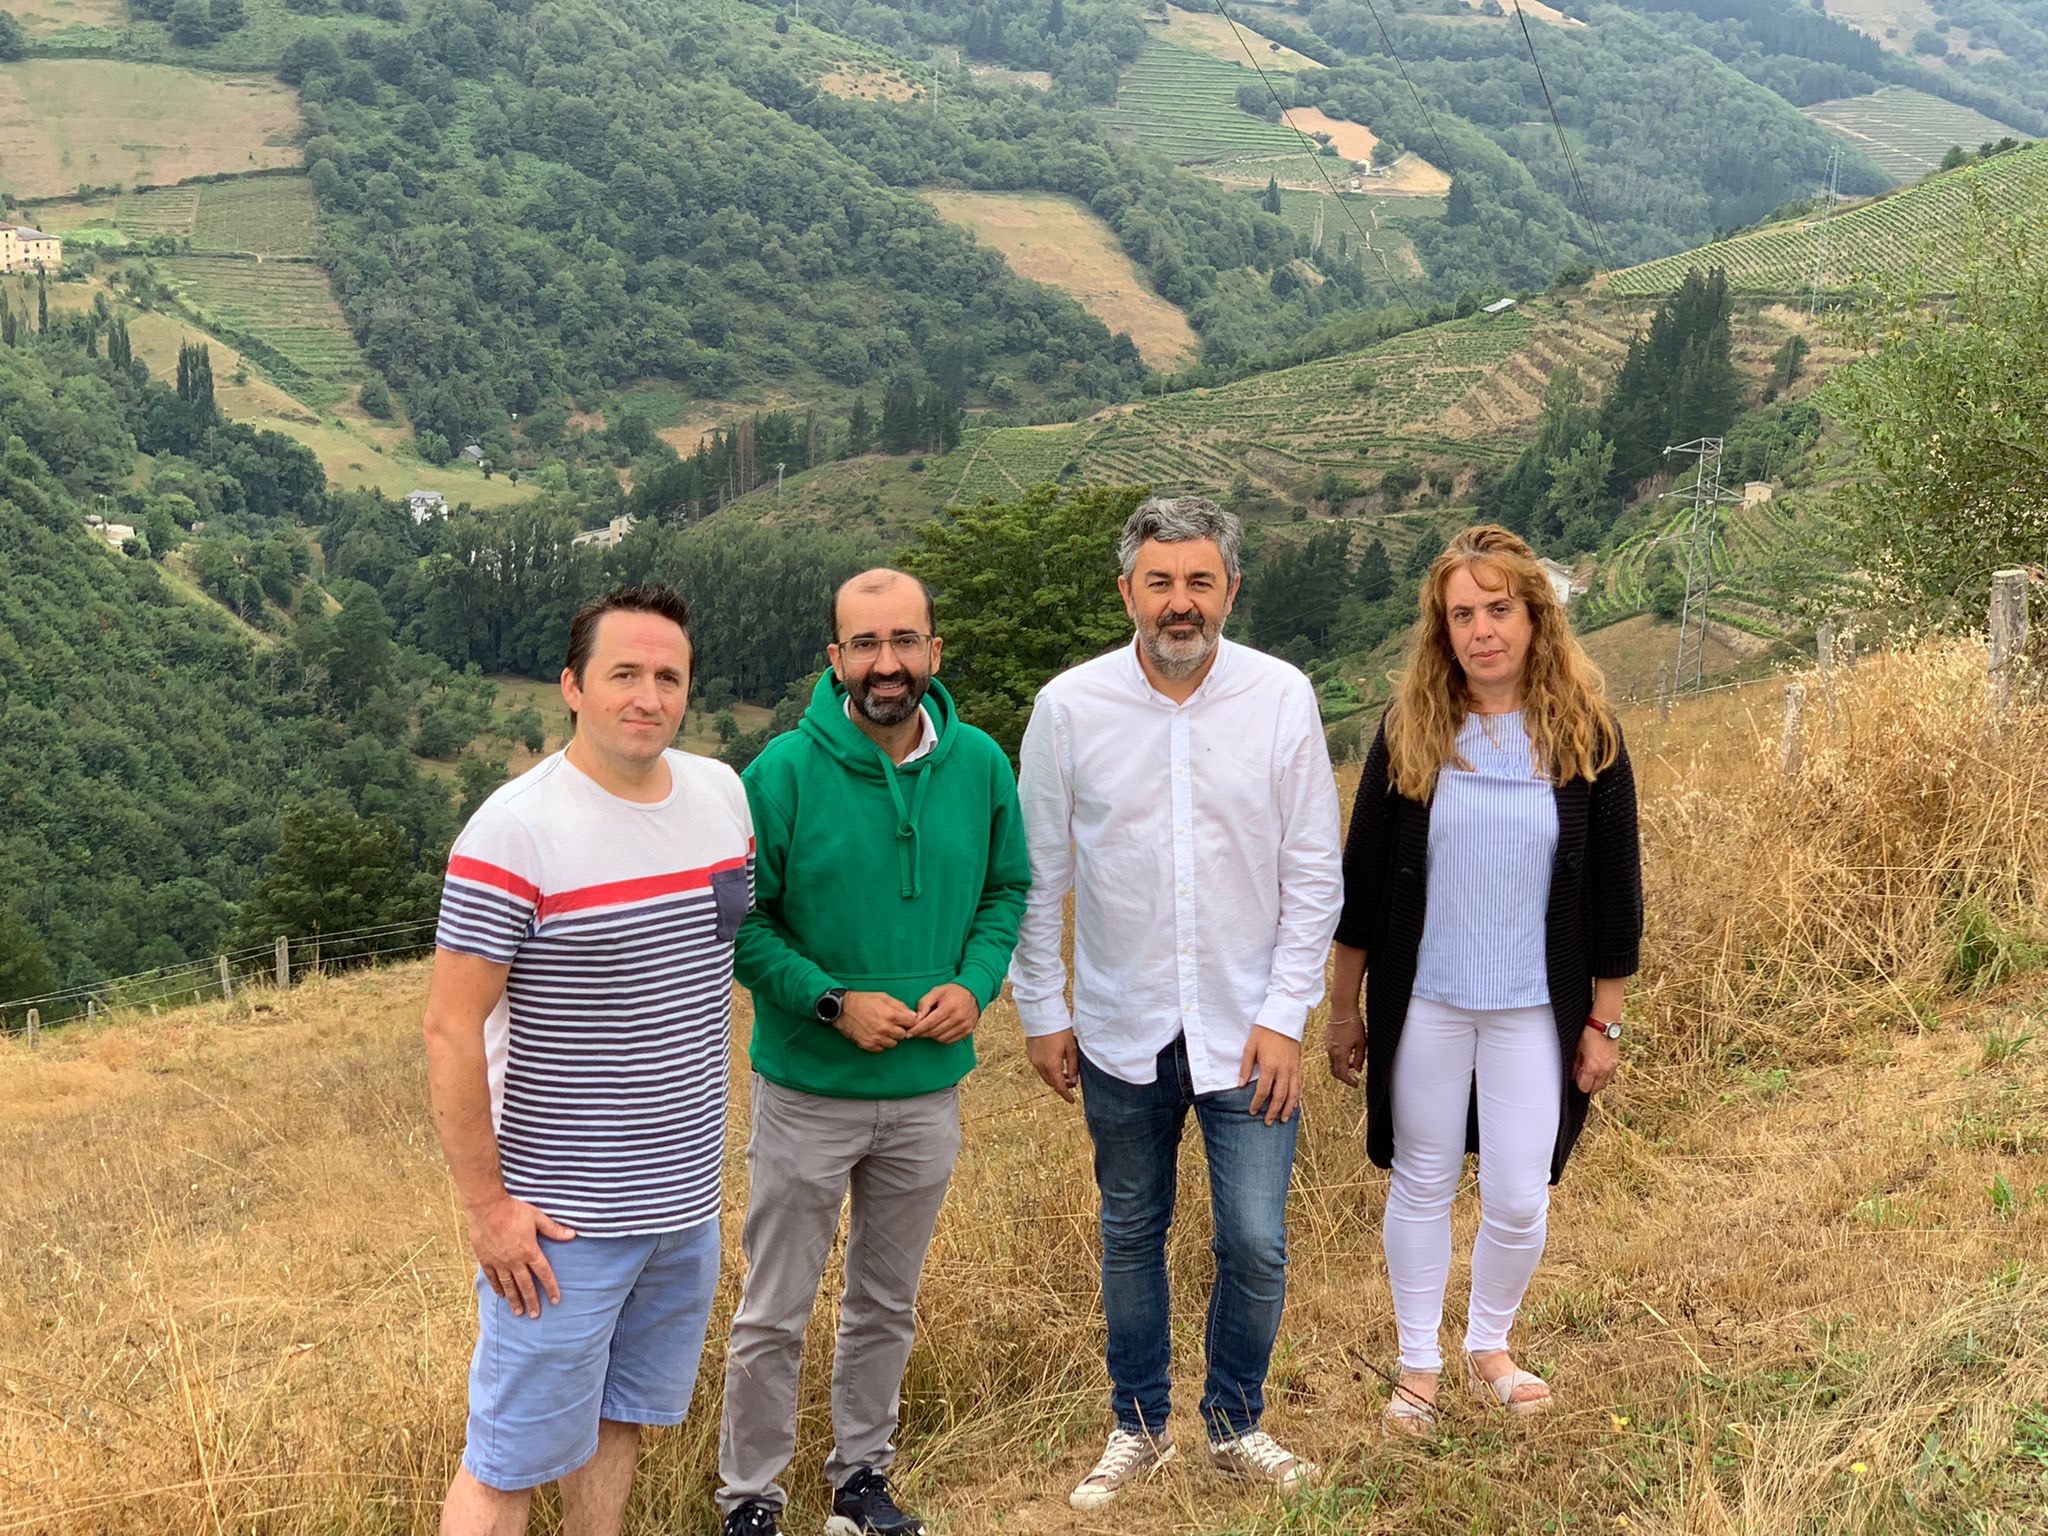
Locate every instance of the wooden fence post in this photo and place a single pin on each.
(2008, 633)
(284, 962)
(1664, 692)
(1824, 647)
(35, 1028)
(227, 985)
(1788, 746)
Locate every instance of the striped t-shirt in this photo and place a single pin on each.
(608, 1050)
(1492, 842)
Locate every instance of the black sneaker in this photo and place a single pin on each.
(752, 1518)
(863, 1505)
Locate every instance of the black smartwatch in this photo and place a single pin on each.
(830, 1005)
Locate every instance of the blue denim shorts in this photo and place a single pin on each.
(622, 1344)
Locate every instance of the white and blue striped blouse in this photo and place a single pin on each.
(1492, 842)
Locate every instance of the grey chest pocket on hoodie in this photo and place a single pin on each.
(734, 896)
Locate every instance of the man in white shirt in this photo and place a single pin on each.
(1180, 787)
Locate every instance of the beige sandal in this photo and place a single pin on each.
(1500, 1390)
(1408, 1414)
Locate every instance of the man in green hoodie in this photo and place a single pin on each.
(890, 878)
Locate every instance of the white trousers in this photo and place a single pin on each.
(1514, 1054)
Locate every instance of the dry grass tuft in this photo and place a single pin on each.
(1905, 856)
(1794, 1281)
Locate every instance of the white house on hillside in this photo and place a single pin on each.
(426, 504)
(610, 536)
(1562, 585)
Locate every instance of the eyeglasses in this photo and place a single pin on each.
(905, 642)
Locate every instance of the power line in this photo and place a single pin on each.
(1316, 160)
(1564, 142)
(1443, 154)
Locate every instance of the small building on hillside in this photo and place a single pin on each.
(610, 536)
(1497, 307)
(22, 247)
(473, 454)
(426, 504)
(1563, 585)
(1756, 493)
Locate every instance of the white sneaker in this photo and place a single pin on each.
(1125, 1459)
(1259, 1458)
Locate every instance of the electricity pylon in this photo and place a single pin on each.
(1701, 532)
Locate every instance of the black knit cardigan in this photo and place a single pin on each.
(1592, 927)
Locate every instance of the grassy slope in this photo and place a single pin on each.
(1782, 1289)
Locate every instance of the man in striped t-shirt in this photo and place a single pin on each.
(577, 1031)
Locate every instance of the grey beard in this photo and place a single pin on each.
(1171, 664)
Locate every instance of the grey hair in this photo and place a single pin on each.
(1176, 520)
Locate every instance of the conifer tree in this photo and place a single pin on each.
(1375, 573)
(899, 416)
(1271, 201)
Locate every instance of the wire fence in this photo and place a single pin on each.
(284, 961)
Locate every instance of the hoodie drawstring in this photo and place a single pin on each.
(909, 845)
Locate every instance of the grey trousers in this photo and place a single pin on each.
(893, 1158)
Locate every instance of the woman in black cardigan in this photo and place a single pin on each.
(1492, 878)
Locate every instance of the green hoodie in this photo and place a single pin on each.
(878, 878)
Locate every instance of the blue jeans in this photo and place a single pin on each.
(1136, 1128)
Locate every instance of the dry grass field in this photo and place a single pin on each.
(66, 123)
(1054, 240)
(1208, 32)
(1892, 24)
(38, 17)
(857, 84)
(1795, 1281)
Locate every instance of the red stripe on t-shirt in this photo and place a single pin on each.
(618, 893)
(463, 867)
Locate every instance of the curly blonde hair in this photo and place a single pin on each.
(1564, 700)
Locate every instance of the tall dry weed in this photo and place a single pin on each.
(1905, 853)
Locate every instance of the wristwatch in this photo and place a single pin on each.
(830, 1005)
(1612, 1030)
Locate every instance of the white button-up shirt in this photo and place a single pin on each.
(1201, 843)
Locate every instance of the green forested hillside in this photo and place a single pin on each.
(150, 739)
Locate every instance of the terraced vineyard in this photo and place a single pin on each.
(280, 312)
(1431, 399)
(1906, 131)
(1001, 463)
(272, 215)
(1741, 598)
(267, 215)
(1884, 240)
(1184, 104)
